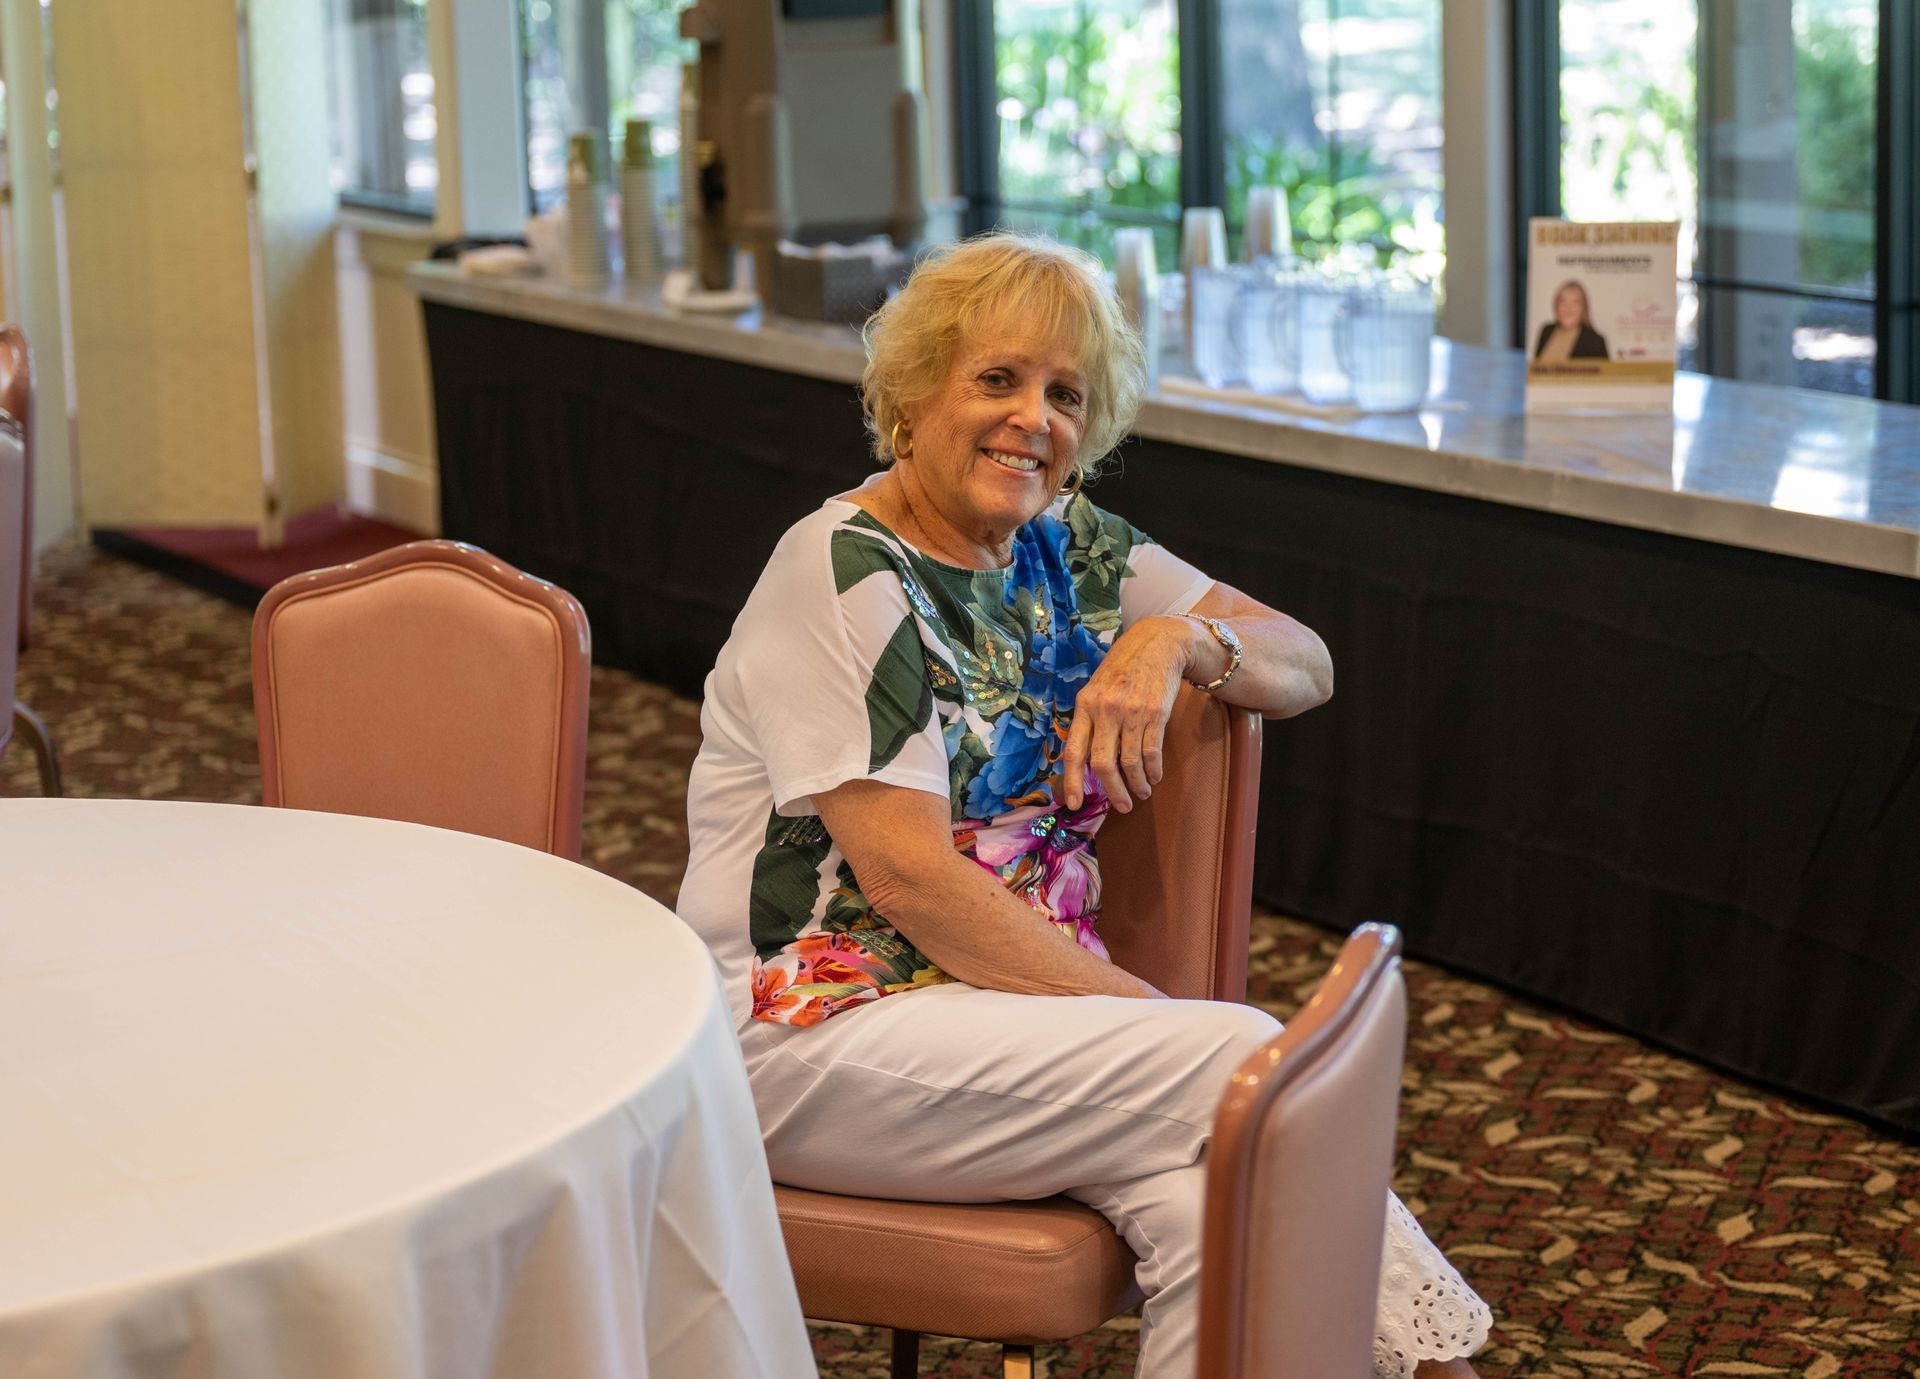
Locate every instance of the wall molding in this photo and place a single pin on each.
(399, 489)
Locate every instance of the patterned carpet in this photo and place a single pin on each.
(1624, 1212)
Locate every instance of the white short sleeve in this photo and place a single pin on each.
(825, 673)
(1158, 581)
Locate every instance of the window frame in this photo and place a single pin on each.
(1896, 307)
(1896, 295)
(978, 129)
(413, 206)
(1203, 152)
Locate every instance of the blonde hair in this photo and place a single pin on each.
(961, 288)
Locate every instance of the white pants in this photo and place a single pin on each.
(958, 1094)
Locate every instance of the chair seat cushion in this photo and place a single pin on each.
(1022, 1272)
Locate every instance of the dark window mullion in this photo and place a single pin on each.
(976, 121)
(1203, 158)
(1125, 215)
(1896, 374)
(1804, 290)
(1536, 149)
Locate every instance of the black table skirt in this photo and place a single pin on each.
(1668, 784)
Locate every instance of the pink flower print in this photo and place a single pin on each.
(1047, 860)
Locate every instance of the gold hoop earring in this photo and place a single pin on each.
(900, 452)
(1072, 486)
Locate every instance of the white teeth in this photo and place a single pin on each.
(1013, 461)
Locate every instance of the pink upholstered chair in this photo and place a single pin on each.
(433, 683)
(13, 532)
(16, 401)
(1297, 1180)
(1176, 888)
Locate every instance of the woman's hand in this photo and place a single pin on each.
(1120, 715)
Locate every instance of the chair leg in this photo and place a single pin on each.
(1017, 1362)
(906, 1354)
(27, 723)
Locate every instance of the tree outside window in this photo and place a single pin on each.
(1336, 101)
(1752, 123)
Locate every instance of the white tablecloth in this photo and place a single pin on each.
(288, 1094)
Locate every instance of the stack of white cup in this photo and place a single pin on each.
(1137, 284)
(1268, 233)
(639, 222)
(588, 263)
(1203, 244)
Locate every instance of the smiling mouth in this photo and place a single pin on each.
(1019, 464)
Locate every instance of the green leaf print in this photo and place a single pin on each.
(992, 669)
(856, 557)
(899, 699)
(1083, 521)
(1097, 559)
(970, 758)
(825, 991)
(899, 957)
(786, 881)
(848, 909)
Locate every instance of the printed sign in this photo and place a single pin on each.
(1601, 301)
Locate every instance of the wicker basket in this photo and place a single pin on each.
(834, 287)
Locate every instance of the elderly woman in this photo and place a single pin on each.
(942, 683)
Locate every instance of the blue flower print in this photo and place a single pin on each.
(1018, 765)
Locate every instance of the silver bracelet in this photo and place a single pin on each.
(1228, 638)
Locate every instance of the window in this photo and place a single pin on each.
(1116, 112)
(1756, 124)
(384, 119)
(1087, 111)
(595, 64)
(1338, 101)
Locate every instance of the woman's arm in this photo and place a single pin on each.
(1120, 716)
(899, 843)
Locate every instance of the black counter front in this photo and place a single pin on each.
(1666, 783)
(649, 482)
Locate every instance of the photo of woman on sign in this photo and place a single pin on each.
(1570, 334)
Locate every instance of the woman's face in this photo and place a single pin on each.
(1570, 307)
(992, 447)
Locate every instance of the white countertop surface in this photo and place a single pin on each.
(1813, 475)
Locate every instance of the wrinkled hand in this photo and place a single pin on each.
(1120, 715)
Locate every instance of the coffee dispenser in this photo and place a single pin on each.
(809, 128)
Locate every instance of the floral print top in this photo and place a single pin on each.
(859, 656)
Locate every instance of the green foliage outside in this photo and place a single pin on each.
(1090, 127)
(1098, 118)
(1834, 87)
(1617, 145)
(1634, 151)
(1354, 198)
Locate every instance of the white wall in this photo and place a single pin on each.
(387, 398)
(392, 472)
(1477, 96)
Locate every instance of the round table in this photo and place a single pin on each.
(291, 1094)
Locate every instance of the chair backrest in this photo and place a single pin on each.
(1176, 874)
(13, 537)
(16, 400)
(431, 682)
(1297, 1180)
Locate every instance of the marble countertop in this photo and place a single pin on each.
(1813, 475)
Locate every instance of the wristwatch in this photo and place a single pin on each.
(1228, 638)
